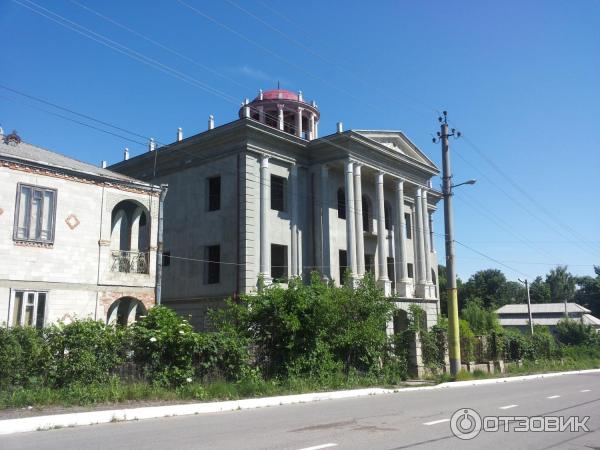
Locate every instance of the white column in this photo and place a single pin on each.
(382, 279)
(261, 114)
(350, 228)
(299, 122)
(402, 281)
(265, 207)
(430, 288)
(316, 130)
(325, 239)
(280, 116)
(294, 219)
(360, 241)
(134, 234)
(426, 236)
(420, 246)
(311, 126)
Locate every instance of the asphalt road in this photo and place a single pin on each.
(418, 419)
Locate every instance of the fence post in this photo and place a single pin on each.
(415, 356)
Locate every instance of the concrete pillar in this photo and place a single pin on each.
(383, 279)
(316, 130)
(420, 246)
(325, 237)
(350, 220)
(134, 235)
(426, 237)
(265, 208)
(261, 114)
(400, 263)
(280, 116)
(294, 220)
(360, 241)
(311, 126)
(119, 238)
(299, 122)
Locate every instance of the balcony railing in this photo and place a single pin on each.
(129, 262)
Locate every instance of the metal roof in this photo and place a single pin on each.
(521, 308)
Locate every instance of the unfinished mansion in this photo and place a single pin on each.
(266, 196)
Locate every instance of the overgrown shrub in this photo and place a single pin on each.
(572, 332)
(481, 321)
(221, 355)
(311, 329)
(84, 351)
(164, 345)
(467, 338)
(24, 357)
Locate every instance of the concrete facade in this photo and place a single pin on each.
(100, 259)
(390, 171)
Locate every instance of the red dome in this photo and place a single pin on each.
(276, 94)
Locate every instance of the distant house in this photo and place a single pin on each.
(546, 314)
(76, 240)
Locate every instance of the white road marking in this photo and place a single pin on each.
(436, 422)
(508, 406)
(585, 390)
(553, 396)
(317, 447)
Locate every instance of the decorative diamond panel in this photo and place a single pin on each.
(72, 221)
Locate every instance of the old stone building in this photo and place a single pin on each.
(76, 241)
(265, 195)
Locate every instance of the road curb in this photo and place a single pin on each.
(22, 425)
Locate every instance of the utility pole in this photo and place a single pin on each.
(526, 283)
(453, 331)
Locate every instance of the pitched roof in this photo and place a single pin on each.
(29, 153)
(521, 308)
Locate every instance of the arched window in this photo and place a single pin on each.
(366, 213)
(387, 211)
(341, 203)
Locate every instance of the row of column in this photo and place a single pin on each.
(354, 230)
(313, 125)
(355, 239)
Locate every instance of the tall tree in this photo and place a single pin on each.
(588, 292)
(539, 291)
(561, 283)
(486, 285)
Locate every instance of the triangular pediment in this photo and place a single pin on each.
(397, 142)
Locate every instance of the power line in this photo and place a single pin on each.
(75, 121)
(158, 44)
(104, 43)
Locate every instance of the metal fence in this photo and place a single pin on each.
(129, 262)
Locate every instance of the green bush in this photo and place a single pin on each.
(221, 355)
(572, 332)
(467, 341)
(24, 357)
(84, 351)
(164, 345)
(312, 329)
(480, 320)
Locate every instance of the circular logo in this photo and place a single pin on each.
(465, 423)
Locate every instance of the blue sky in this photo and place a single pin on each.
(519, 79)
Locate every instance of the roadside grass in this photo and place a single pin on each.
(117, 392)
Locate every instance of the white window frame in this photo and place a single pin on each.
(13, 314)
